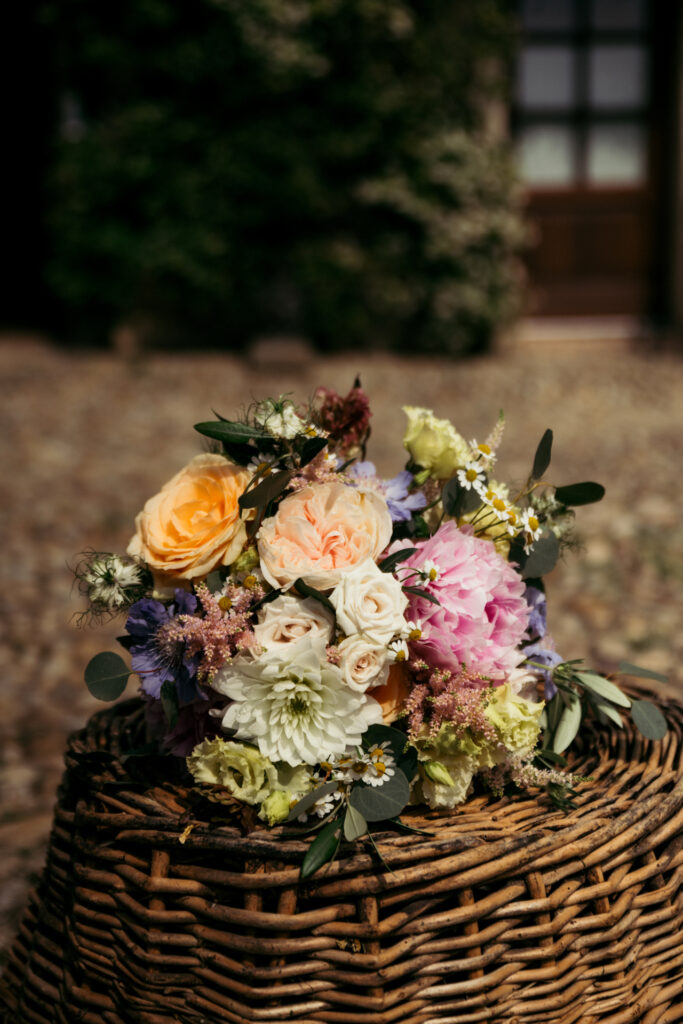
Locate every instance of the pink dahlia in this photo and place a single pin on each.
(482, 615)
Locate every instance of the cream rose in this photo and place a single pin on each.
(363, 663)
(288, 618)
(434, 444)
(193, 524)
(322, 532)
(371, 602)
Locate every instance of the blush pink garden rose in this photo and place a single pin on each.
(193, 524)
(482, 615)
(321, 532)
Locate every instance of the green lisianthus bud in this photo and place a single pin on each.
(438, 772)
(247, 561)
(275, 808)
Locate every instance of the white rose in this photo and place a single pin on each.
(288, 619)
(363, 663)
(370, 601)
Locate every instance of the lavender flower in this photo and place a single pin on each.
(157, 661)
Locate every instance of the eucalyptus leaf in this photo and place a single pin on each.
(169, 702)
(543, 556)
(542, 456)
(629, 669)
(554, 708)
(551, 757)
(609, 711)
(569, 723)
(106, 675)
(214, 581)
(378, 734)
(648, 719)
(603, 688)
(271, 487)
(421, 592)
(458, 500)
(311, 447)
(231, 432)
(379, 803)
(404, 753)
(311, 798)
(242, 454)
(317, 595)
(584, 493)
(146, 750)
(389, 563)
(355, 824)
(322, 849)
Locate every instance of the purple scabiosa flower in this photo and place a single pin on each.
(538, 608)
(395, 491)
(157, 661)
(543, 654)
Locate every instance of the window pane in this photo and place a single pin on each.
(548, 15)
(618, 14)
(616, 154)
(546, 77)
(547, 155)
(617, 76)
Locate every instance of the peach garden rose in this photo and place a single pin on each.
(321, 532)
(193, 524)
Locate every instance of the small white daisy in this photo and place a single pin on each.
(398, 650)
(532, 528)
(430, 571)
(483, 452)
(471, 477)
(412, 630)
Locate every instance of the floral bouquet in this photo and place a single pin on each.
(323, 646)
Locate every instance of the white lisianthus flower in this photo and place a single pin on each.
(294, 704)
(363, 662)
(370, 601)
(288, 619)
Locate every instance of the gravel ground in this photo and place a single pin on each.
(86, 438)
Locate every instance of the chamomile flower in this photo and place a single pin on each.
(531, 527)
(499, 505)
(482, 452)
(430, 571)
(398, 650)
(412, 630)
(379, 772)
(323, 806)
(472, 476)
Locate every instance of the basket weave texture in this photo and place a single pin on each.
(509, 911)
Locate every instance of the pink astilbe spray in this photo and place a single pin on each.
(444, 697)
(220, 633)
(320, 470)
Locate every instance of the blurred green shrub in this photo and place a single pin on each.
(257, 166)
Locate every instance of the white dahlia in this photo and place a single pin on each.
(294, 704)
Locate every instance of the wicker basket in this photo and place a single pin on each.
(511, 911)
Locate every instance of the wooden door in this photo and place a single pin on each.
(589, 118)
